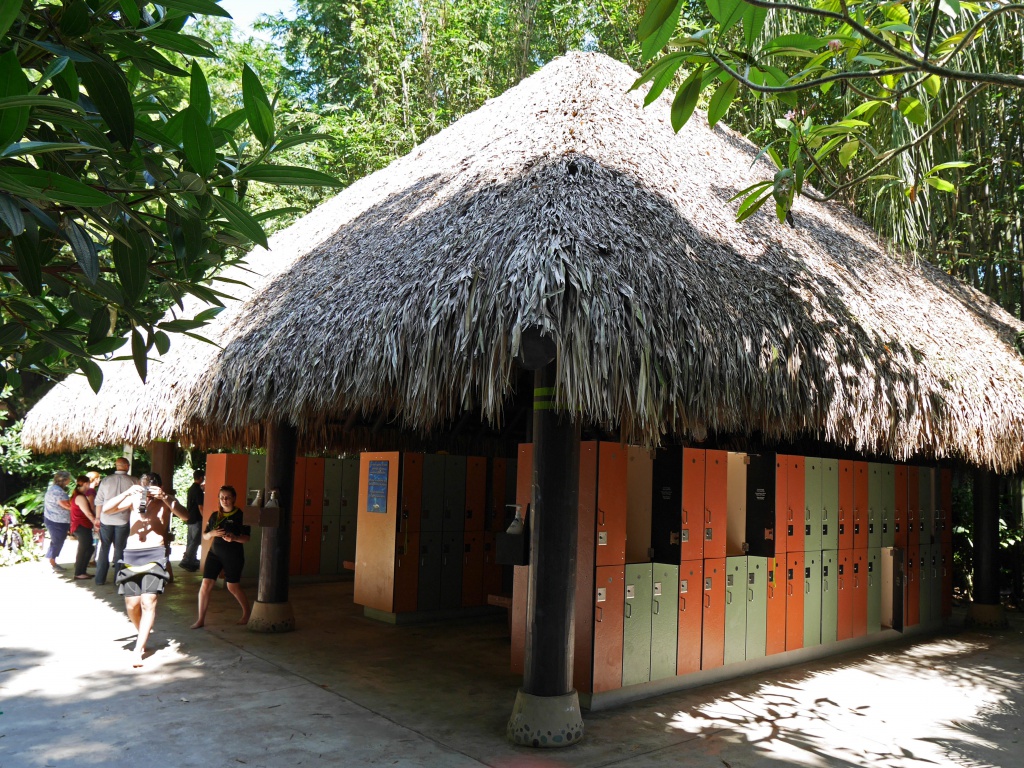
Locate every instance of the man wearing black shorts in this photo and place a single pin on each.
(226, 554)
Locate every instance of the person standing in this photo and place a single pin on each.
(82, 520)
(57, 516)
(228, 534)
(113, 525)
(194, 505)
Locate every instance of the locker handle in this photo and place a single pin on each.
(656, 607)
(707, 515)
(601, 513)
(600, 615)
(629, 610)
(807, 587)
(707, 601)
(750, 595)
(728, 598)
(682, 603)
(686, 516)
(789, 589)
(840, 583)
(789, 513)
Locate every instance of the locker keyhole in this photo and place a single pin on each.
(707, 583)
(630, 591)
(602, 594)
(602, 539)
(657, 589)
(683, 587)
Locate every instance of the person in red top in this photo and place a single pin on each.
(83, 518)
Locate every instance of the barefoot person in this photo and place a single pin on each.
(228, 534)
(143, 575)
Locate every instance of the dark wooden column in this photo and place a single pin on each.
(272, 611)
(986, 609)
(161, 459)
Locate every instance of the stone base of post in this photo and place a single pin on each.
(986, 616)
(271, 618)
(546, 721)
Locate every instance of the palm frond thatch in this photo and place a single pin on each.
(565, 205)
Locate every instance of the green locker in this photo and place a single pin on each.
(428, 584)
(346, 541)
(829, 596)
(829, 503)
(812, 598)
(330, 541)
(874, 590)
(453, 517)
(255, 477)
(636, 628)
(735, 609)
(433, 492)
(927, 585)
(927, 505)
(664, 620)
(812, 505)
(349, 511)
(757, 606)
(888, 505)
(874, 505)
(453, 545)
(332, 487)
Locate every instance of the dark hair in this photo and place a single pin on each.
(229, 489)
(78, 481)
(198, 474)
(152, 478)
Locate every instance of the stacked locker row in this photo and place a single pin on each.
(436, 550)
(338, 522)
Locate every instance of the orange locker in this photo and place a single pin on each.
(609, 599)
(411, 493)
(473, 568)
(312, 534)
(225, 469)
(795, 497)
(313, 502)
(900, 516)
(716, 512)
(712, 652)
(776, 631)
(611, 504)
(476, 493)
(912, 597)
(493, 572)
(521, 573)
(583, 637)
(406, 572)
(845, 504)
(688, 644)
(781, 502)
(944, 524)
(946, 579)
(859, 582)
(913, 513)
(844, 583)
(496, 499)
(794, 599)
(295, 546)
(693, 516)
(860, 504)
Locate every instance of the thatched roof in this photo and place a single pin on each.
(566, 205)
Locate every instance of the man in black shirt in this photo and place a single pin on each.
(194, 505)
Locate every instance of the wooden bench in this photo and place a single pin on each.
(502, 601)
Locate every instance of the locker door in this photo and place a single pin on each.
(332, 487)
(256, 470)
(859, 618)
(861, 503)
(946, 585)
(432, 499)
(760, 502)
(330, 541)
(735, 609)
(893, 586)
(476, 493)
(609, 600)
(313, 501)
(795, 502)
(874, 590)
(295, 543)
(611, 504)
(312, 530)
(712, 653)
(812, 599)
(844, 584)
(926, 478)
(874, 504)
(495, 517)
(829, 504)
(583, 609)
(664, 621)
(452, 551)
(899, 525)
(757, 607)
(473, 569)
(912, 597)
(666, 505)
(945, 521)
(888, 505)
(691, 574)
(927, 585)
(913, 512)
(428, 580)
(453, 512)
(347, 541)
(636, 627)
(829, 596)
(716, 510)
(781, 508)
(412, 463)
(691, 535)
(935, 609)
(845, 504)
(794, 600)
(775, 639)
(523, 487)
(812, 505)
(493, 573)
(407, 572)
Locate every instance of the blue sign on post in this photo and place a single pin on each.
(377, 487)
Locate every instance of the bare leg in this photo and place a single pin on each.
(204, 602)
(133, 607)
(239, 595)
(145, 627)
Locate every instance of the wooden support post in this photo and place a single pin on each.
(986, 608)
(547, 712)
(161, 455)
(272, 611)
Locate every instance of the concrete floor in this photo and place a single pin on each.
(346, 691)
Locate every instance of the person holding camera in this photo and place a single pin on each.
(143, 571)
(227, 554)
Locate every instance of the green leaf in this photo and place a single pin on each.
(198, 142)
(297, 139)
(751, 205)
(11, 334)
(92, 373)
(82, 304)
(46, 185)
(932, 85)
(231, 122)
(10, 214)
(655, 16)
(241, 220)
(650, 45)
(950, 7)
(722, 100)
(28, 256)
(913, 110)
(803, 42)
(257, 107)
(40, 147)
(131, 262)
(139, 353)
(726, 12)
(108, 89)
(847, 153)
(13, 121)
(84, 249)
(16, 102)
(186, 44)
(9, 11)
(863, 110)
(753, 22)
(76, 19)
(162, 342)
(199, 93)
(99, 326)
(288, 174)
(106, 346)
(197, 7)
(62, 339)
(951, 164)
(940, 184)
(686, 99)
(130, 11)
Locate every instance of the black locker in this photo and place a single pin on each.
(433, 492)
(666, 504)
(453, 545)
(761, 505)
(430, 562)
